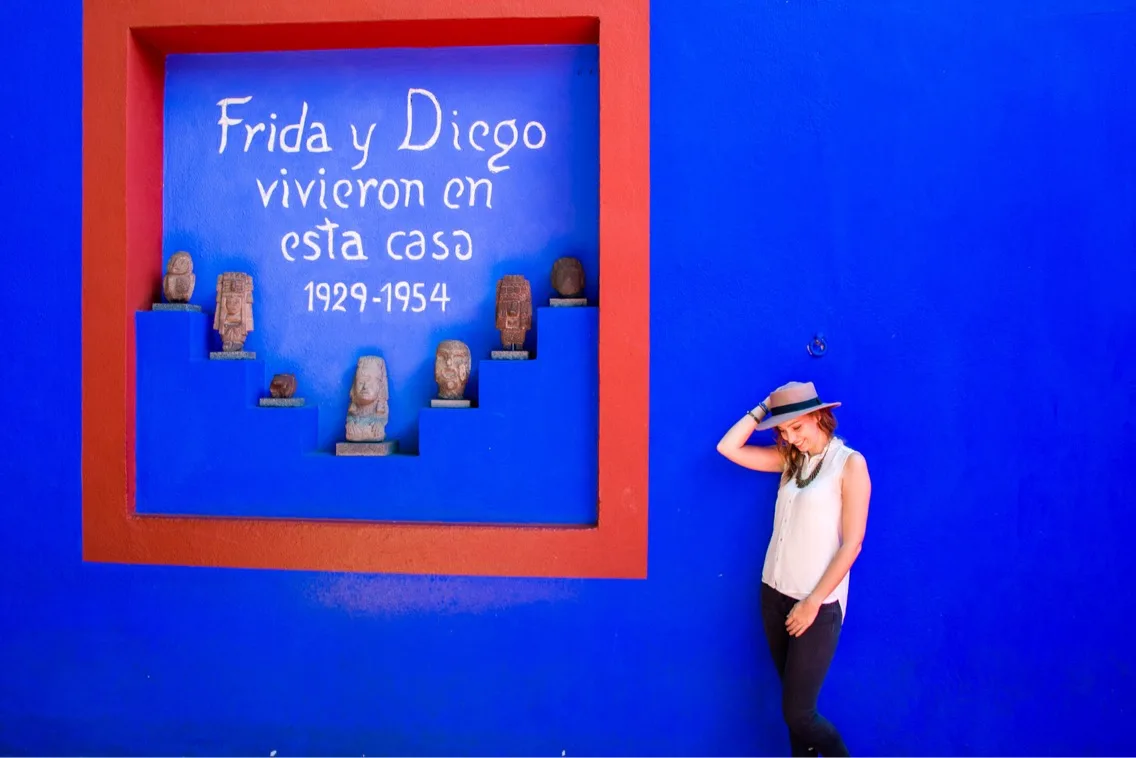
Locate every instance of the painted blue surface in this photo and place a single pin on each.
(281, 202)
(916, 181)
(525, 454)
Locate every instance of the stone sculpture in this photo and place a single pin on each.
(368, 413)
(282, 385)
(452, 364)
(568, 281)
(281, 393)
(178, 283)
(514, 315)
(233, 315)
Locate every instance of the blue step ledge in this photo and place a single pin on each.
(527, 454)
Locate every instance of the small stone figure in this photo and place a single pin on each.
(452, 362)
(233, 315)
(178, 283)
(568, 281)
(282, 386)
(514, 315)
(369, 412)
(281, 391)
(568, 276)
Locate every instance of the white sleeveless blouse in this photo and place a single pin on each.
(807, 529)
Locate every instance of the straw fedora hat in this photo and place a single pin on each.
(790, 401)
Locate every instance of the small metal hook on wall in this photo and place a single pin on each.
(817, 347)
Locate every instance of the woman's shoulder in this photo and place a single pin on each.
(854, 463)
(850, 456)
(841, 446)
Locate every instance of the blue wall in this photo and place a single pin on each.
(916, 183)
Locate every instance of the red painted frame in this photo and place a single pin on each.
(125, 43)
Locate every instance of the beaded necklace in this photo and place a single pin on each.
(802, 483)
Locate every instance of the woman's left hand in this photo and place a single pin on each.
(802, 616)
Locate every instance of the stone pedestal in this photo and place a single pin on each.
(441, 403)
(509, 355)
(176, 307)
(281, 402)
(567, 302)
(237, 355)
(386, 447)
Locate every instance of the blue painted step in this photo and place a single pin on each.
(526, 455)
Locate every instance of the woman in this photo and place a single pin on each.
(818, 527)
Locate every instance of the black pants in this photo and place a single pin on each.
(802, 663)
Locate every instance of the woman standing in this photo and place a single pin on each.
(818, 528)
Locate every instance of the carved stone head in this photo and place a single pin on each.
(568, 276)
(283, 385)
(514, 310)
(178, 283)
(368, 412)
(452, 362)
(369, 390)
(233, 315)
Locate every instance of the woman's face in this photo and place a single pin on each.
(803, 433)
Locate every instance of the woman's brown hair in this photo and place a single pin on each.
(791, 457)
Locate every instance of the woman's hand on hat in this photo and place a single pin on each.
(761, 410)
(733, 444)
(801, 617)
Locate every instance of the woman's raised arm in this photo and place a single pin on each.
(757, 457)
